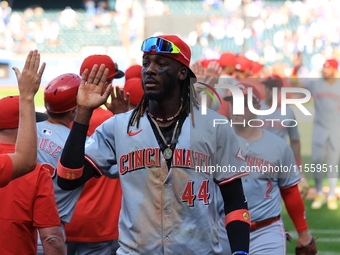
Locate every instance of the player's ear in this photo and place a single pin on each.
(73, 111)
(183, 73)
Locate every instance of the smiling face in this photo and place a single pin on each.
(161, 76)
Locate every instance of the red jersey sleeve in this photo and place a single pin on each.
(45, 212)
(6, 170)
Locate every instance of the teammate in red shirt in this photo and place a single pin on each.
(27, 203)
(24, 158)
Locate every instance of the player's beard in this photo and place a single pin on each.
(167, 91)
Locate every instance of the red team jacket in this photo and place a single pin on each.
(6, 170)
(27, 203)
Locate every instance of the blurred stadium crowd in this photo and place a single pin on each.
(265, 31)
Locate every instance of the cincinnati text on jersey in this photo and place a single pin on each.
(260, 164)
(151, 157)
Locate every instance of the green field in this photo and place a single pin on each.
(12, 91)
(323, 223)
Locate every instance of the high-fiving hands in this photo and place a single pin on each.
(29, 79)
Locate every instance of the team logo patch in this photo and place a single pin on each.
(47, 132)
(246, 216)
(89, 142)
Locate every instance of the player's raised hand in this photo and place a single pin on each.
(30, 77)
(198, 69)
(92, 92)
(213, 70)
(119, 101)
(297, 61)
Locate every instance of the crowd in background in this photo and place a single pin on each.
(271, 33)
(265, 31)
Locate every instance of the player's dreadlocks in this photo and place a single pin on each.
(188, 97)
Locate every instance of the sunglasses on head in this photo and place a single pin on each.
(160, 45)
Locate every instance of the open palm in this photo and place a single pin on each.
(90, 94)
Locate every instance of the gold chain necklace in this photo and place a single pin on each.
(167, 152)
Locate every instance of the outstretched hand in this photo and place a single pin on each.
(297, 61)
(120, 102)
(30, 78)
(198, 69)
(213, 70)
(90, 93)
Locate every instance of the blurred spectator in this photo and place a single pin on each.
(155, 7)
(68, 17)
(265, 31)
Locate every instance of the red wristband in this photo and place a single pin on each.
(69, 173)
(238, 215)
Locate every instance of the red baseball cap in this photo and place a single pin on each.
(206, 62)
(227, 59)
(242, 63)
(9, 113)
(134, 87)
(273, 81)
(331, 63)
(185, 53)
(256, 67)
(244, 88)
(90, 61)
(134, 71)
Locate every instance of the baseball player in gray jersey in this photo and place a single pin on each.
(272, 123)
(326, 135)
(276, 126)
(169, 199)
(60, 102)
(283, 125)
(273, 176)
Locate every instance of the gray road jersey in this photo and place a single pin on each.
(51, 140)
(263, 189)
(273, 122)
(167, 211)
(327, 110)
